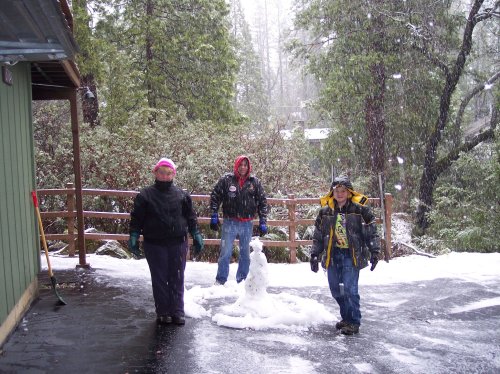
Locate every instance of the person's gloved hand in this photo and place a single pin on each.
(314, 263)
(262, 228)
(133, 244)
(374, 261)
(197, 243)
(214, 222)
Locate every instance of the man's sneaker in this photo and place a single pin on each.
(218, 283)
(350, 329)
(179, 320)
(340, 325)
(164, 320)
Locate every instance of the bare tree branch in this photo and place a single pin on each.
(489, 13)
(430, 56)
(453, 155)
(465, 101)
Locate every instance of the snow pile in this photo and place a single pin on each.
(257, 309)
(401, 228)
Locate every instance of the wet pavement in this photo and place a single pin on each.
(438, 326)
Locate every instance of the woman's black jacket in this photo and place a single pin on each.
(163, 212)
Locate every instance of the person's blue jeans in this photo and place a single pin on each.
(231, 229)
(343, 271)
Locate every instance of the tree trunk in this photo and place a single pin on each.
(375, 124)
(149, 58)
(87, 61)
(427, 183)
(90, 107)
(430, 173)
(374, 103)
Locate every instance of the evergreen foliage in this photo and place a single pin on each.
(123, 159)
(169, 54)
(421, 48)
(250, 97)
(352, 38)
(89, 59)
(466, 210)
(195, 146)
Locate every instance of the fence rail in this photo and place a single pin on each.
(290, 202)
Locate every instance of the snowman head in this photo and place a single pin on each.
(256, 244)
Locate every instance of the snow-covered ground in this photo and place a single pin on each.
(420, 315)
(262, 309)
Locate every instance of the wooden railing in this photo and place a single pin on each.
(290, 202)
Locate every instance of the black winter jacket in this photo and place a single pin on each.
(361, 233)
(238, 202)
(163, 212)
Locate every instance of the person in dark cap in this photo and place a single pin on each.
(242, 197)
(346, 236)
(163, 214)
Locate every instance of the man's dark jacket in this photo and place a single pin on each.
(239, 202)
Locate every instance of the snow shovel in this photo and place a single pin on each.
(51, 274)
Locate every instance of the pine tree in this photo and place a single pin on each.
(180, 54)
(250, 98)
(88, 60)
(353, 51)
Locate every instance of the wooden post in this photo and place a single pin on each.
(388, 215)
(78, 181)
(70, 203)
(291, 230)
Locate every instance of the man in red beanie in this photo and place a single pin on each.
(163, 214)
(242, 197)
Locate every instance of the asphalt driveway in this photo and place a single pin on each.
(419, 327)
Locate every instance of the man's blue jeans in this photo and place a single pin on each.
(343, 271)
(231, 229)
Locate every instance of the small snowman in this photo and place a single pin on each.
(257, 280)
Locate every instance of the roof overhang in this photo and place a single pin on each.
(36, 30)
(40, 32)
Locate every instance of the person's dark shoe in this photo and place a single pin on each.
(164, 320)
(218, 283)
(340, 325)
(179, 320)
(350, 329)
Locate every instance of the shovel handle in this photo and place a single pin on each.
(40, 226)
(35, 200)
(44, 241)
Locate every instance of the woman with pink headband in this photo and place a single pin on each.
(163, 214)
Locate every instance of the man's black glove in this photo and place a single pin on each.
(197, 242)
(133, 244)
(314, 263)
(214, 222)
(374, 261)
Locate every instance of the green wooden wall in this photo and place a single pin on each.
(19, 244)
